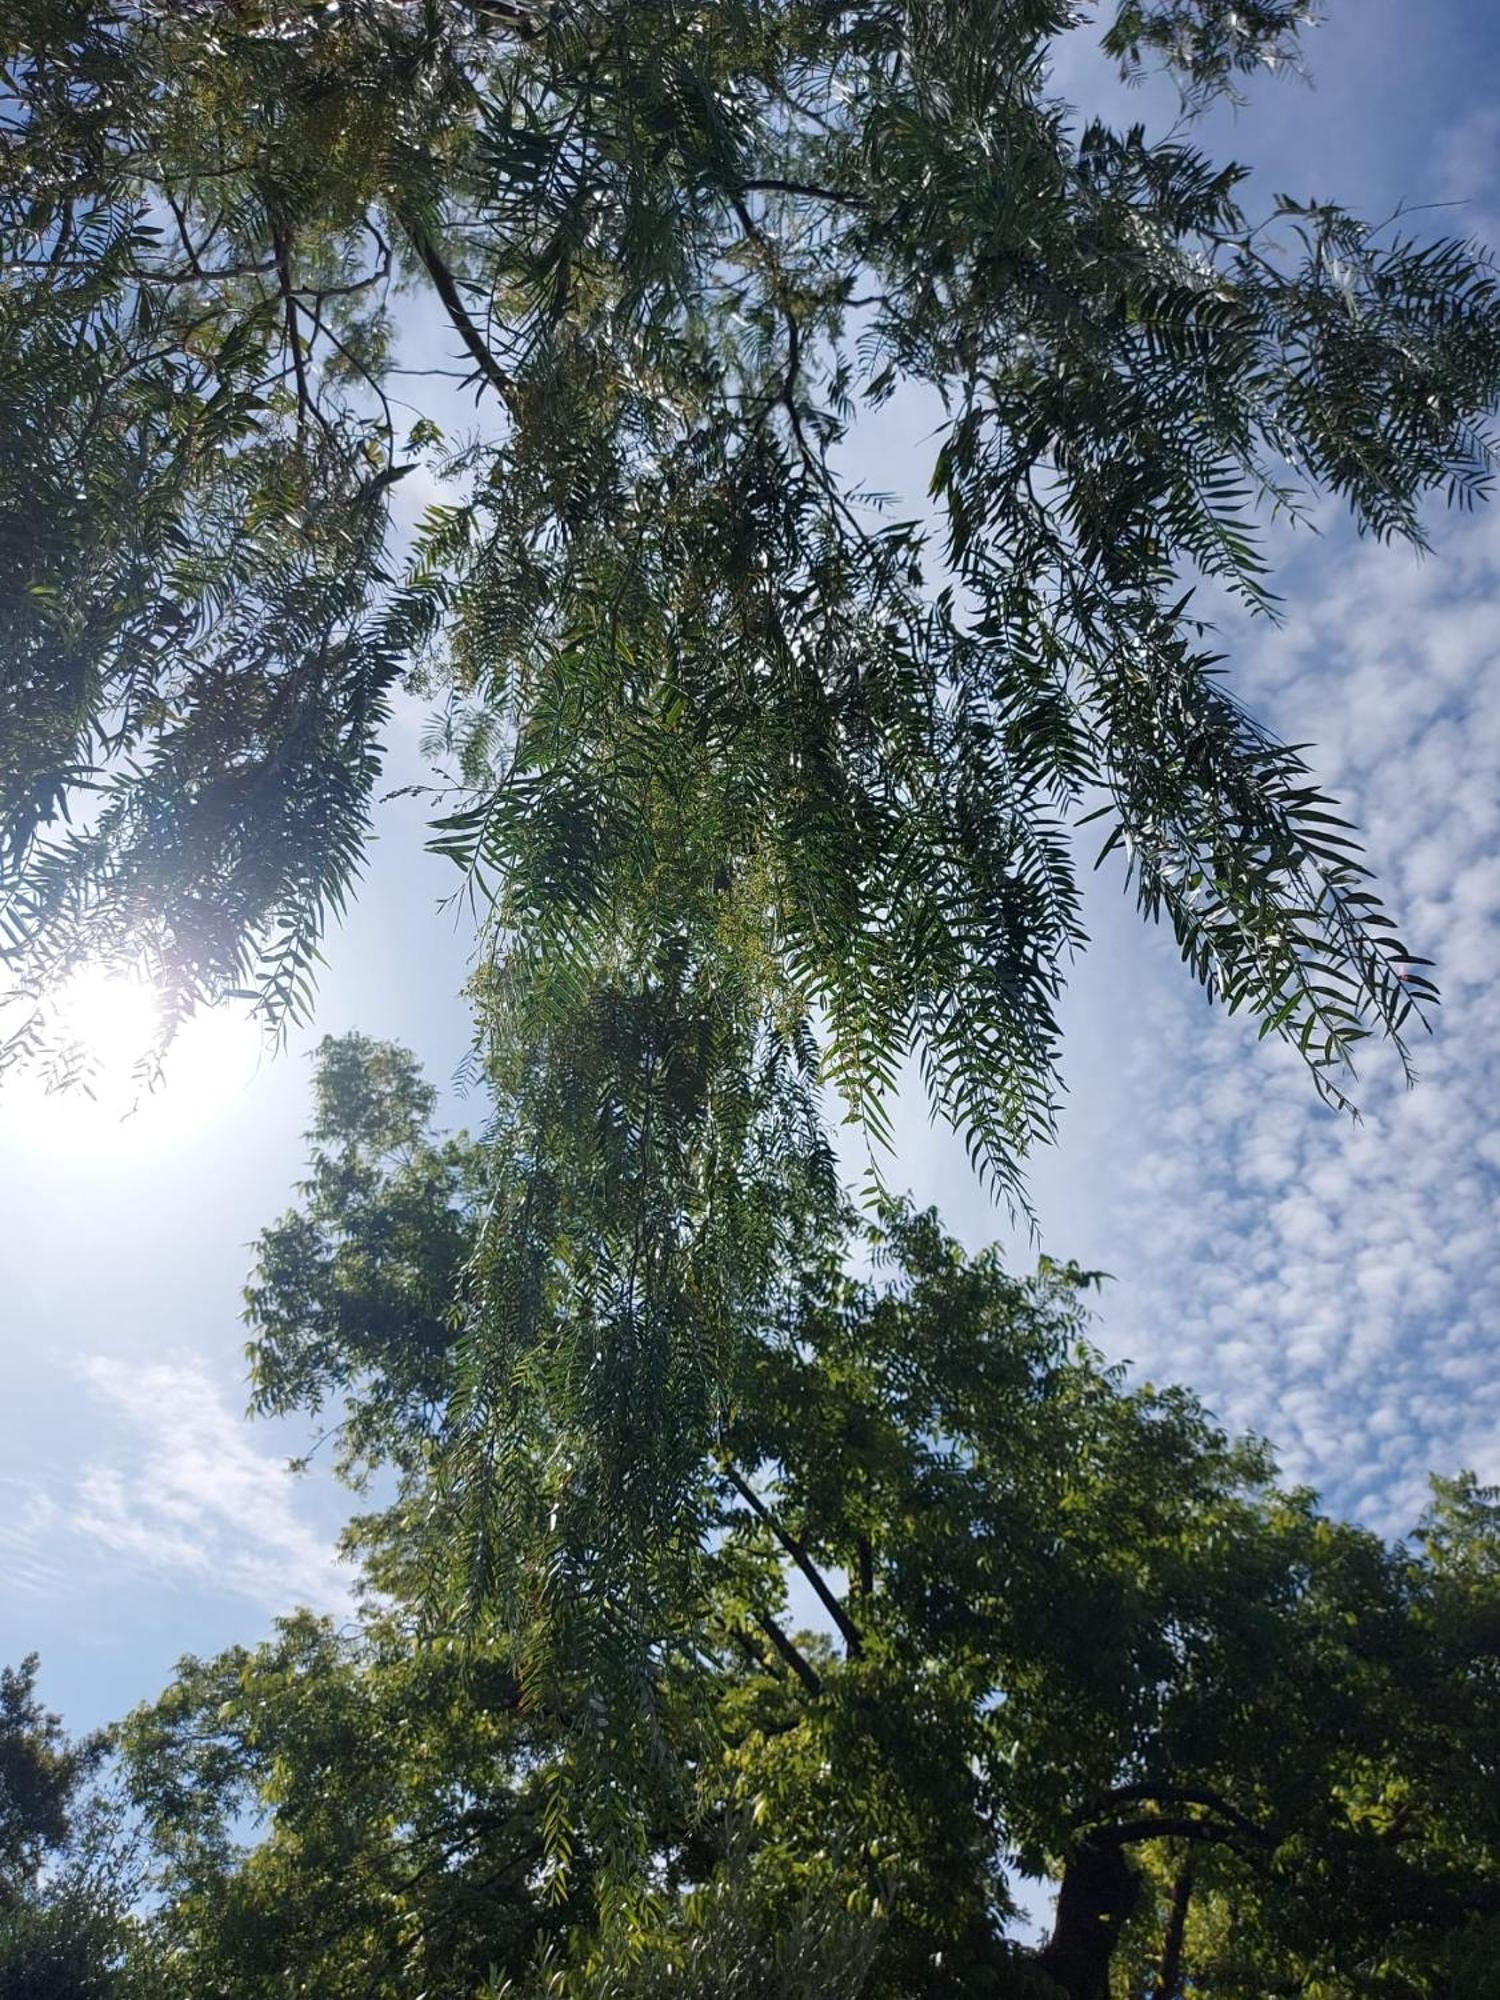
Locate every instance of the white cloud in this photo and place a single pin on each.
(1336, 1286)
(27, 1517)
(185, 1495)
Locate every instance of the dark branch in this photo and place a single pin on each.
(866, 1567)
(446, 287)
(1165, 1827)
(795, 1658)
(305, 403)
(808, 188)
(747, 1649)
(1166, 1793)
(836, 1611)
(1169, 1971)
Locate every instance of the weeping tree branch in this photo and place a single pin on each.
(445, 284)
(307, 402)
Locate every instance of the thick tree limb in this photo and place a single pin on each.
(1096, 1896)
(1169, 1971)
(1166, 1793)
(746, 1647)
(1165, 1826)
(795, 1658)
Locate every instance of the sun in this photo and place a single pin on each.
(113, 1021)
(114, 1095)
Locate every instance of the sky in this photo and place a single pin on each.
(1333, 1286)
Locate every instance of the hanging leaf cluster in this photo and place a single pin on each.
(685, 256)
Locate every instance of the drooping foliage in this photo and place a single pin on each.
(762, 793)
(683, 254)
(188, 706)
(545, 1414)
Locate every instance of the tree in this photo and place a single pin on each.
(65, 1872)
(760, 791)
(398, 1797)
(1390, 1887)
(1069, 1629)
(400, 1802)
(41, 1772)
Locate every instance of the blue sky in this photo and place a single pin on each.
(1336, 1287)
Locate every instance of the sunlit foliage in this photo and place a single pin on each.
(1068, 1629)
(702, 688)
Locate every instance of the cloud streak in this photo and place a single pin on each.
(186, 1495)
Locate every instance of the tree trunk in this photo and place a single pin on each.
(1169, 1973)
(1098, 1892)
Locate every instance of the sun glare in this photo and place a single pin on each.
(109, 1024)
(113, 1021)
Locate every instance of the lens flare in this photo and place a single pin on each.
(97, 1085)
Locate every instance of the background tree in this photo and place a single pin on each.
(1069, 1630)
(352, 1815)
(67, 1877)
(41, 1774)
(345, 1815)
(1391, 1886)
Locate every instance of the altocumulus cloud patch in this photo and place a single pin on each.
(1337, 1286)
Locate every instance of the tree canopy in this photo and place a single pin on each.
(704, 698)
(762, 792)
